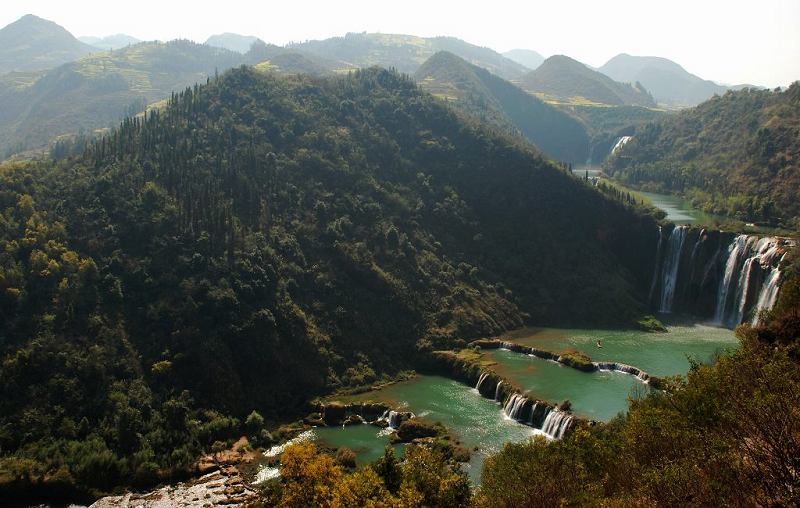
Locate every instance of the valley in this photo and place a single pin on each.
(385, 269)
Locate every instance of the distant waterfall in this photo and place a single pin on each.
(671, 264)
(728, 279)
(620, 143)
(392, 418)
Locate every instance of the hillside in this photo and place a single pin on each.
(407, 53)
(567, 80)
(735, 155)
(527, 57)
(238, 239)
(110, 42)
(495, 100)
(669, 83)
(232, 42)
(32, 44)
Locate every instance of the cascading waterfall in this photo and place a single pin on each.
(671, 265)
(556, 423)
(392, 418)
(497, 391)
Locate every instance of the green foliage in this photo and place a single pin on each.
(733, 155)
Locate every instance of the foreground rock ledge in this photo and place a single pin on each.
(223, 487)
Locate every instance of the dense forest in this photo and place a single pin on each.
(297, 233)
(734, 155)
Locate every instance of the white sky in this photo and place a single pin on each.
(730, 41)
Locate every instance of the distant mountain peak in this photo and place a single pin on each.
(32, 43)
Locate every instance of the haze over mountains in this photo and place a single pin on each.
(566, 79)
(41, 101)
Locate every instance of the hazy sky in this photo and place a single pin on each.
(730, 41)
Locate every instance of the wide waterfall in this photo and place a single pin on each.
(711, 274)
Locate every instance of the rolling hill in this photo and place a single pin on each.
(32, 43)
(737, 155)
(407, 53)
(566, 80)
(495, 100)
(669, 83)
(527, 57)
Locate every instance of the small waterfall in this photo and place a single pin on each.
(497, 391)
(533, 413)
(556, 423)
(481, 379)
(671, 265)
(392, 418)
(641, 375)
(656, 267)
(513, 408)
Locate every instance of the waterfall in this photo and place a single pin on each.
(655, 268)
(620, 143)
(533, 413)
(392, 418)
(671, 265)
(497, 391)
(556, 423)
(481, 379)
(514, 406)
(769, 293)
(752, 270)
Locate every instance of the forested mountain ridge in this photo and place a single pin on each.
(563, 78)
(407, 53)
(97, 91)
(734, 155)
(238, 238)
(495, 100)
(32, 44)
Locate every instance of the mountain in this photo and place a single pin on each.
(493, 99)
(734, 155)
(567, 80)
(32, 43)
(97, 91)
(669, 83)
(260, 240)
(407, 53)
(527, 57)
(116, 41)
(232, 42)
